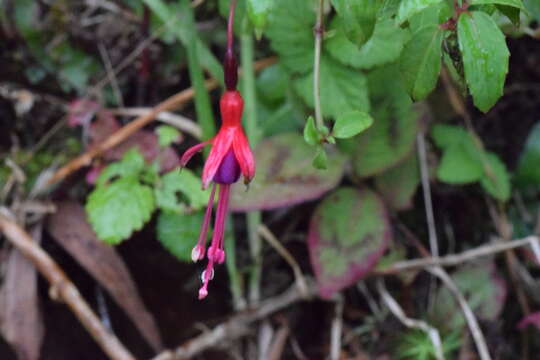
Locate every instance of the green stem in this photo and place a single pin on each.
(203, 106)
(252, 132)
(319, 30)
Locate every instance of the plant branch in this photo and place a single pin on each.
(456, 259)
(63, 289)
(236, 327)
(398, 312)
(319, 31)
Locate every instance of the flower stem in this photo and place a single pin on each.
(203, 106)
(239, 302)
(319, 31)
(252, 132)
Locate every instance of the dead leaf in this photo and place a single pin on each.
(69, 228)
(21, 323)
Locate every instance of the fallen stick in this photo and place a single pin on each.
(63, 289)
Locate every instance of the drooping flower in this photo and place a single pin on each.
(230, 156)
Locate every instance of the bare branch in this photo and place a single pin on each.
(63, 288)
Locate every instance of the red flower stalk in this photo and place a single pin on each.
(229, 157)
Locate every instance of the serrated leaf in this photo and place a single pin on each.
(179, 233)
(348, 233)
(131, 165)
(116, 210)
(184, 182)
(484, 289)
(420, 61)
(311, 135)
(528, 172)
(286, 176)
(358, 18)
(167, 135)
(257, 11)
(391, 137)
(384, 46)
(497, 181)
(290, 29)
(410, 7)
(459, 165)
(485, 57)
(351, 123)
(398, 184)
(514, 3)
(341, 88)
(321, 159)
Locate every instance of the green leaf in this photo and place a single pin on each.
(512, 13)
(420, 62)
(179, 233)
(398, 184)
(447, 135)
(391, 137)
(514, 3)
(290, 29)
(132, 164)
(286, 176)
(484, 289)
(342, 89)
(410, 7)
(432, 15)
(496, 180)
(118, 209)
(528, 172)
(358, 18)
(257, 11)
(384, 46)
(321, 159)
(533, 7)
(485, 57)
(167, 135)
(273, 83)
(350, 124)
(348, 233)
(184, 182)
(460, 165)
(311, 135)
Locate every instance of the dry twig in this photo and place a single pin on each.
(236, 327)
(398, 312)
(62, 287)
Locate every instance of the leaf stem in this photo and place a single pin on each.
(319, 31)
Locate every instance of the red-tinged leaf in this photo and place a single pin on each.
(21, 322)
(148, 144)
(348, 234)
(285, 175)
(482, 286)
(531, 319)
(102, 127)
(81, 112)
(69, 228)
(398, 184)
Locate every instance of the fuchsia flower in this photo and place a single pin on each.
(229, 157)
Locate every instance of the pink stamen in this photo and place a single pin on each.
(207, 275)
(192, 151)
(198, 251)
(217, 253)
